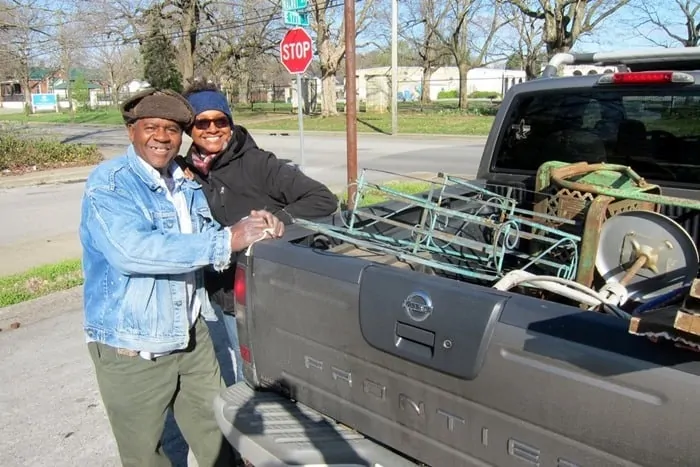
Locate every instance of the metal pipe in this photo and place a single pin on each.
(553, 284)
(553, 66)
(649, 53)
(394, 67)
(350, 102)
(300, 102)
(620, 56)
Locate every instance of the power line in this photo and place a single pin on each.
(272, 14)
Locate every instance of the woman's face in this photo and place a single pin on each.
(211, 132)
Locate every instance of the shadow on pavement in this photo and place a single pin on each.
(322, 433)
(76, 138)
(375, 128)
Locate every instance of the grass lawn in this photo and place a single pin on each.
(102, 117)
(372, 196)
(97, 116)
(435, 124)
(40, 281)
(411, 122)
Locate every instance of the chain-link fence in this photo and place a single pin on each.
(103, 99)
(264, 98)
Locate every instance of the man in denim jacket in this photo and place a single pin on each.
(147, 234)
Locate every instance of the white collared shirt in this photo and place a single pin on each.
(177, 197)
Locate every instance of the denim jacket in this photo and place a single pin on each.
(135, 259)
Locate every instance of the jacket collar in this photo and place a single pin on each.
(240, 143)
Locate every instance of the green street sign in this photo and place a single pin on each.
(292, 5)
(293, 18)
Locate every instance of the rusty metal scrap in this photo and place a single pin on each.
(616, 181)
(589, 194)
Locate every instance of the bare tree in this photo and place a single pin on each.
(187, 18)
(118, 26)
(679, 20)
(526, 41)
(421, 22)
(329, 27)
(25, 25)
(183, 20)
(238, 49)
(565, 21)
(70, 41)
(119, 64)
(7, 16)
(118, 21)
(467, 31)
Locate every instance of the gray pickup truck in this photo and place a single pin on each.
(357, 356)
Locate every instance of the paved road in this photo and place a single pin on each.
(51, 411)
(45, 218)
(322, 153)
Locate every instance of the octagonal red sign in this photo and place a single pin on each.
(296, 50)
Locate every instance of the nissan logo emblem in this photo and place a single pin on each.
(418, 306)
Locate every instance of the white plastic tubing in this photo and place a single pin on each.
(564, 287)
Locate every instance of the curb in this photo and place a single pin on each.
(27, 180)
(361, 134)
(39, 309)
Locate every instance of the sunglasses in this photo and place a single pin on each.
(205, 123)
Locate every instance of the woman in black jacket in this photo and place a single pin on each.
(238, 177)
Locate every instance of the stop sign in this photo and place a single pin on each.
(296, 50)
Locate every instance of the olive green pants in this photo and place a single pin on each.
(137, 394)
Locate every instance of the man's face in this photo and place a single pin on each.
(156, 140)
(211, 132)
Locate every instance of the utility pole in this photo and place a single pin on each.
(394, 67)
(350, 102)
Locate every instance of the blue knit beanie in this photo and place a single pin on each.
(209, 100)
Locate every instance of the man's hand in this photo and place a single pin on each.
(257, 226)
(275, 225)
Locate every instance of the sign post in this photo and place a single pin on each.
(350, 101)
(296, 52)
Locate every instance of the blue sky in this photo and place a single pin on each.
(625, 30)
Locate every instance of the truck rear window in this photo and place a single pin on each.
(655, 131)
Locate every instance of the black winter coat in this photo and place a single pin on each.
(244, 178)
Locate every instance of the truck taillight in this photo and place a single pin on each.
(647, 77)
(239, 286)
(245, 353)
(239, 295)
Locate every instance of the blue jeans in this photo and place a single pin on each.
(234, 346)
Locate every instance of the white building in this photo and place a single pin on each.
(579, 70)
(378, 79)
(134, 86)
(374, 85)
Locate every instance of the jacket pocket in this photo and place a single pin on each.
(142, 310)
(204, 219)
(164, 221)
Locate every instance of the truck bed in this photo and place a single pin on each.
(492, 378)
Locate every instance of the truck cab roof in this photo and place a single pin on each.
(644, 115)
